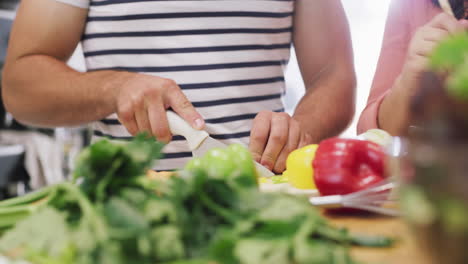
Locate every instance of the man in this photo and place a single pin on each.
(218, 64)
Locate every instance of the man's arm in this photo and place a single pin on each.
(324, 51)
(41, 90)
(323, 48)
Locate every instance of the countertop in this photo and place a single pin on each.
(405, 251)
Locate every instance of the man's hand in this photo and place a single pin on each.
(328, 73)
(327, 68)
(141, 103)
(273, 137)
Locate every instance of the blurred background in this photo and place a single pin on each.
(367, 22)
(31, 157)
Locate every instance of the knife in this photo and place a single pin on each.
(199, 141)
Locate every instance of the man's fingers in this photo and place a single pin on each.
(141, 116)
(126, 116)
(158, 122)
(294, 137)
(306, 139)
(130, 125)
(259, 134)
(182, 106)
(277, 140)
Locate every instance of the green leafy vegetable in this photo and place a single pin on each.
(212, 213)
(450, 56)
(16, 209)
(450, 53)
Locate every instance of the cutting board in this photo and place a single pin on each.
(405, 251)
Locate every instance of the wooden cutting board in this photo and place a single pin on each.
(405, 251)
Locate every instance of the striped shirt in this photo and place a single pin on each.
(228, 56)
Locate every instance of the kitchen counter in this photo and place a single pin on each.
(405, 251)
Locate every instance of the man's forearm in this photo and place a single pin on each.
(326, 64)
(325, 111)
(42, 91)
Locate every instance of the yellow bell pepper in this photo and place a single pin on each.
(299, 167)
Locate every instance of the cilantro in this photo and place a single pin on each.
(48, 227)
(450, 56)
(115, 215)
(450, 53)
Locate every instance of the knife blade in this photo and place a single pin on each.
(199, 141)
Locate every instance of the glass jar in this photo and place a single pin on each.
(435, 197)
(435, 172)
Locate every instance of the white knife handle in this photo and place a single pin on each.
(179, 126)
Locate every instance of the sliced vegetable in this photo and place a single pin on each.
(279, 179)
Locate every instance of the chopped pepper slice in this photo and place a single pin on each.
(343, 166)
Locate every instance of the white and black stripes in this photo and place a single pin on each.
(199, 67)
(231, 83)
(116, 2)
(191, 32)
(228, 57)
(186, 50)
(220, 120)
(196, 15)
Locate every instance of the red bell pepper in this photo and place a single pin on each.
(343, 166)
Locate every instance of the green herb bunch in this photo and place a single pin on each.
(450, 58)
(114, 214)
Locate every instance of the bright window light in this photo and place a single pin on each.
(367, 22)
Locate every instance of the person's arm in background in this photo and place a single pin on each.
(41, 90)
(324, 52)
(402, 61)
(392, 57)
